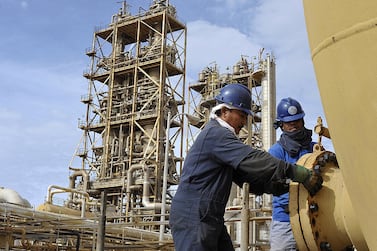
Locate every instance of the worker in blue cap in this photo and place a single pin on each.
(294, 142)
(215, 160)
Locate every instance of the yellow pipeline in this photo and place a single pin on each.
(326, 221)
(343, 41)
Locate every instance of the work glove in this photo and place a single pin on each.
(312, 180)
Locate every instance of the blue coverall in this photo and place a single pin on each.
(215, 160)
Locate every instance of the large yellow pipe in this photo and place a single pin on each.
(325, 221)
(343, 41)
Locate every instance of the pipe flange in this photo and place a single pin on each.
(314, 218)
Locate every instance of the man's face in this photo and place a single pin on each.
(293, 125)
(236, 118)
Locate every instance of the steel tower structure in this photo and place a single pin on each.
(137, 75)
(136, 83)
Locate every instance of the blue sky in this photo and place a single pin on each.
(42, 59)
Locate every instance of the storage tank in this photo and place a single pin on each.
(8, 195)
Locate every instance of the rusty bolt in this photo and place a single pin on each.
(326, 157)
(321, 161)
(325, 246)
(313, 207)
(317, 168)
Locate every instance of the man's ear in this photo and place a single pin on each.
(223, 111)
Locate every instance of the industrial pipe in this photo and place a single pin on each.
(245, 215)
(145, 198)
(146, 183)
(342, 38)
(130, 171)
(50, 193)
(73, 177)
(111, 228)
(164, 178)
(325, 221)
(102, 223)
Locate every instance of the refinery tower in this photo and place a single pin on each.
(140, 120)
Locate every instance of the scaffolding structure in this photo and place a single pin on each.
(137, 75)
(128, 161)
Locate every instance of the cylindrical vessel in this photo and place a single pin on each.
(342, 36)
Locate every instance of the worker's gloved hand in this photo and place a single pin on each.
(311, 180)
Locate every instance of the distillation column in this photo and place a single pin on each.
(132, 90)
(137, 76)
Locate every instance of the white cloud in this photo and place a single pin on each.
(208, 43)
(39, 109)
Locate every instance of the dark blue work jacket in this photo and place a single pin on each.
(198, 207)
(210, 163)
(215, 160)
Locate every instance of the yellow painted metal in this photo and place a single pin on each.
(298, 211)
(342, 36)
(48, 207)
(6, 240)
(325, 221)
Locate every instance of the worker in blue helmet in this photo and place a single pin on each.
(294, 142)
(215, 160)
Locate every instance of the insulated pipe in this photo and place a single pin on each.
(268, 113)
(102, 223)
(73, 177)
(245, 218)
(145, 199)
(129, 186)
(165, 177)
(325, 221)
(129, 177)
(50, 193)
(72, 180)
(146, 183)
(342, 38)
(111, 228)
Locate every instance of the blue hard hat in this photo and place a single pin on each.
(236, 95)
(288, 110)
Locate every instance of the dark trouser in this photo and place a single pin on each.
(197, 225)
